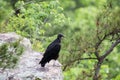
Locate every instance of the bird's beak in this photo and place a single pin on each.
(62, 37)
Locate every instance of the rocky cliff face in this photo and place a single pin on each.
(28, 67)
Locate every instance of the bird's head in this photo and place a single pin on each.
(60, 36)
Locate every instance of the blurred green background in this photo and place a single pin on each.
(83, 22)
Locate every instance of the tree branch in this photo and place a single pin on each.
(111, 49)
(97, 46)
(97, 69)
(100, 41)
(87, 58)
(99, 63)
(92, 58)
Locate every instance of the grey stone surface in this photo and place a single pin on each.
(28, 67)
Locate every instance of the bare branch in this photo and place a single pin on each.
(72, 61)
(82, 59)
(110, 49)
(97, 46)
(87, 58)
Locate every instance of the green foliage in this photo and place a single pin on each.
(37, 46)
(79, 42)
(37, 79)
(87, 31)
(81, 72)
(9, 54)
(4, 14)
(117, 78)
(36, 18)
(4, 10)
(108, 22)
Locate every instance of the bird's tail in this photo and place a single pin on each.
(42, 62)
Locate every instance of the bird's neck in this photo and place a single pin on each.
(59, 40)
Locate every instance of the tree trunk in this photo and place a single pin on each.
(97, 69)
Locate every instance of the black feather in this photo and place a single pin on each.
(52, 51)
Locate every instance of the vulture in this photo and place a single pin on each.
(52, 51)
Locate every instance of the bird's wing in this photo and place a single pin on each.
(53, 48)
(51, 45)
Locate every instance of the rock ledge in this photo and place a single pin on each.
(28, 67)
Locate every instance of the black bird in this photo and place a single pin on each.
(52, 51)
